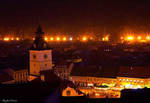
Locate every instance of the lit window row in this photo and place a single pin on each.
(127, 80)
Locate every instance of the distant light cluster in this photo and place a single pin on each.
(82, 38)
(11, 39)
(127, 38)
(131, 38)
(58, 38)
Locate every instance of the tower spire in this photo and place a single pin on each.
(39, 42)
(39, 32)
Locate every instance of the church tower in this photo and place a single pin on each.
(40, 55)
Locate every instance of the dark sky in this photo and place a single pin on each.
(74, 15)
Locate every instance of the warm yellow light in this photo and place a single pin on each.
(139, 37)
(84, 38)
(51, 38)
(103, 39)
(121, 38)
(106, 38)
(143, 41)
(45, 38)
(148, 37)
(97, 94)
(58, 38)
(64, 39)
(6, 39)
(17, 38)
(130, 38)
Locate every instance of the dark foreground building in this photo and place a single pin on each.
(135, 96)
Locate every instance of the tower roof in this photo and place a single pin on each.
(39, 42)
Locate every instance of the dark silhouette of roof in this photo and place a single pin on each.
(28, 93)
(94, 71)
(135, 95)
(49, 77)
(110, 71)
(5, 77)
(15, 63)
(39, 42)
(134, 72)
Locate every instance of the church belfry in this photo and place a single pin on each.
(40, 54)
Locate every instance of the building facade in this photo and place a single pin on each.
(99, 83)
(40, 55)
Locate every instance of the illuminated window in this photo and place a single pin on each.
(123, 79)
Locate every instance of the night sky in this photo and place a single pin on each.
(73, 16)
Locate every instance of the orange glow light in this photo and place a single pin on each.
(121, 38)
(103, 39)
(33, 38)
(51, 38)
(58, 38)
(45, 38)
(12, 38)
(106, 38)
(6, 39)
(130, 38)
(91, 38)
(17, 38)
(64, 39)
(139, 37)
(84, 38)
(148, 37)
